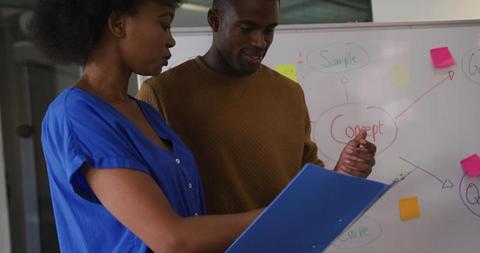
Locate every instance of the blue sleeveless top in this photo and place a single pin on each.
(80, 128)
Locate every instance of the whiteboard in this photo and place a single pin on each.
(423, 120)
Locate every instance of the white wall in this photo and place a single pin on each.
(424, 10)
(4, 224)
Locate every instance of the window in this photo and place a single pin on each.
(194, 12)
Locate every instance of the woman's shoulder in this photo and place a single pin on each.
(72, 101)
(57, 107)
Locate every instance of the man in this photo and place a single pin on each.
(247, 125)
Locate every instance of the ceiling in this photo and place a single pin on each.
(193, 12)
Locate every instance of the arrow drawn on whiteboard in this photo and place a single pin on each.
(450, 76)
(344, 81)
(445, 183)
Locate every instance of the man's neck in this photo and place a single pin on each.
(216, 62)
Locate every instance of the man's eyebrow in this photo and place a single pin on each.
(248, 22)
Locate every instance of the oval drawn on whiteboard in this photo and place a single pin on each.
(469, 189)
(363, 232)
(471, 65)
(339, 124)
(338, 58)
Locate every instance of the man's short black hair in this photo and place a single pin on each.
(68, 30)
(218, 4)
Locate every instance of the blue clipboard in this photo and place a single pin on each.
(316, 207)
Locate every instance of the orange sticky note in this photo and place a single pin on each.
(288, 70)
(409, 208)
(441, 57)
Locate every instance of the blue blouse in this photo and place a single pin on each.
(79, 129)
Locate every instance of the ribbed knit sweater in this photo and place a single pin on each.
(249, 136)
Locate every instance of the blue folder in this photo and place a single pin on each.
(315, 208)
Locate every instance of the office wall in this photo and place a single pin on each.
(424, 10)
(4, 224)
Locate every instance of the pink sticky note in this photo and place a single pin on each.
(471, 165)
(441, 57)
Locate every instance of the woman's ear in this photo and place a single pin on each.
(213, 19)
(116, 24)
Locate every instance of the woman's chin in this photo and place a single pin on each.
(150, 72)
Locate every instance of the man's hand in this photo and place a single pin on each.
(358, 156)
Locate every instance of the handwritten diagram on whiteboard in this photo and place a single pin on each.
(423, 119)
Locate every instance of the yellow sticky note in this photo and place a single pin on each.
(409, 208)
(288, 70)
(400, 74)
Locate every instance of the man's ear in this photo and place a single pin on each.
(214, 19)
(116, 24)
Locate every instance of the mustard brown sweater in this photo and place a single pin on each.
(249, 136)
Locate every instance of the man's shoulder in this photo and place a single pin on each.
(278, 80)
(174, 75)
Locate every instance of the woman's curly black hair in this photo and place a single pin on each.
(67, 31)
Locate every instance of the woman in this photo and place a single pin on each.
(120, 179)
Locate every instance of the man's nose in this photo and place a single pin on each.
(258, 40)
